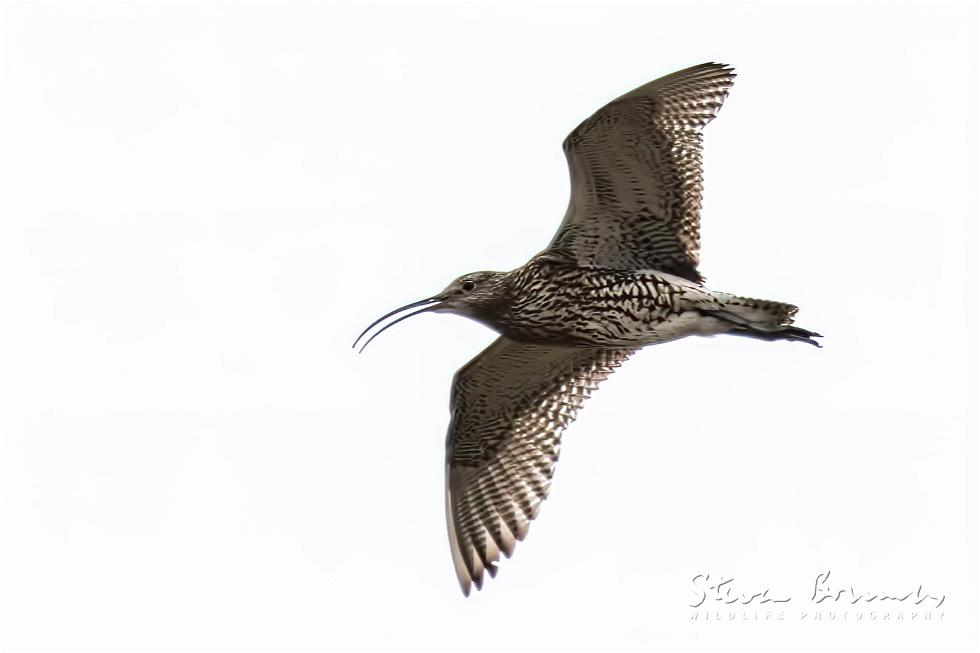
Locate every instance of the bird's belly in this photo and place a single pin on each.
(619, 328)
(688, 323)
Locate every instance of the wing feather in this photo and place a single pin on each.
(509, 406)
(636, 178)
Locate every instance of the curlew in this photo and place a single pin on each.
(621, 273)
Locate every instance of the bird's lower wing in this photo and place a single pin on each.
(509, 407)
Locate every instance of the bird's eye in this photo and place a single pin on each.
(468, 286)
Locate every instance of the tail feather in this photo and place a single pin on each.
(762, 319)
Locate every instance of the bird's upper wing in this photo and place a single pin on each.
(509, 406)
(635, 168)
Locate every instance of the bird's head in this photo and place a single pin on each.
(477, 295)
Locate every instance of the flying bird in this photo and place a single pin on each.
(621, 273)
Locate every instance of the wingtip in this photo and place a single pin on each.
(721, 65)
(716, 66)
(718, 70)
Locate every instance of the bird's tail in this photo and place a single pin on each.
(761, 319)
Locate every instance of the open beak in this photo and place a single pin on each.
(429, 304)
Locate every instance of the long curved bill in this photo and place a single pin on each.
(428, 303)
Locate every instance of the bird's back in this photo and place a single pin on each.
(560, 302)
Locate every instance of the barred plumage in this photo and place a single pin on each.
(621, 273)
(509, 406)
(635, 167)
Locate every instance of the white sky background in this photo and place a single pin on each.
(203, 204)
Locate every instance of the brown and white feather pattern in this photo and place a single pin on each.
(509, 407)
(620, 274)
(635, 168)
